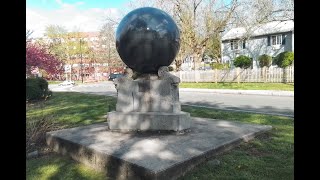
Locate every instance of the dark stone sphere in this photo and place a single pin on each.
(146, 39)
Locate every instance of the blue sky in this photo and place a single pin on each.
(82, 4)
(81, 15)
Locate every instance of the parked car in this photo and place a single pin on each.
(67, 83)
(113, 76)
(206, 68)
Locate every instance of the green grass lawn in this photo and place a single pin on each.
(72, 109)
(268, 156)
(54, 82)
(58, 82)
(242, 86)
(58, 167)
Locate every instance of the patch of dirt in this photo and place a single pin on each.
(43, 151)
(267, 136)
(255, 152)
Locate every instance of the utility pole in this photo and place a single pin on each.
(81, 62)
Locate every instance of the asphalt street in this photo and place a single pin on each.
(264, 104)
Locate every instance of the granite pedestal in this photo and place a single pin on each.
(150, 156)
(148, 103)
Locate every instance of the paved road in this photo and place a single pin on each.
(236, 102)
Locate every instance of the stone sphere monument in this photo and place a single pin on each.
(147, 40)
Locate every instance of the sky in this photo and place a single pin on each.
(83, 15)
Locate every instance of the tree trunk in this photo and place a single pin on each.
(178, 62)
(197, 60)
(197, 65)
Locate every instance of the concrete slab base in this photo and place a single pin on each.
(149, 121)
(150, 155)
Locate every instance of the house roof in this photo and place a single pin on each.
(262, 29)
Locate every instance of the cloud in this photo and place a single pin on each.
(67, 5)
(68, 16)
(36, 22)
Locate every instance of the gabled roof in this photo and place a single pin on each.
(262, 29)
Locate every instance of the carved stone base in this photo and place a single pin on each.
(149, 121)
(148, 103)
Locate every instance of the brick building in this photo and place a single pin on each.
(94, 55)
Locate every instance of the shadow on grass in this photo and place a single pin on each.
(245, 108)
(243, 86)
(73, 109)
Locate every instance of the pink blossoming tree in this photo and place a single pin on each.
(37, 57)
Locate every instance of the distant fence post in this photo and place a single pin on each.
(196, 76)
(215, 75)
(238, 74)
(285, 70)
(290, 74)
(261, 73)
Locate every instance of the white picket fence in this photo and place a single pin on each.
(271, 74)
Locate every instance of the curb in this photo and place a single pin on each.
(244, 92)
(218, 91)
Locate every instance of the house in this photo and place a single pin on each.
(188, 63)
(270, 38)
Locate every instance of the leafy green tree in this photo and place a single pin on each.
(68, 46)
(283, 60)
(242, 62)
(265, 60)
(213, 48)
(55, 41)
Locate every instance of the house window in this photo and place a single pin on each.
(237, 44)
(276, 40)
(234, 44)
